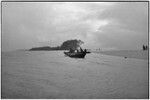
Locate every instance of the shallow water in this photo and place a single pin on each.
(50, 74)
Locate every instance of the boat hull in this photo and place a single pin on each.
(75, 55)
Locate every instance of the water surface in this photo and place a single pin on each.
(50, 74)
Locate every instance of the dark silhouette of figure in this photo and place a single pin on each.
(85, 50)
(81, 50)
(71, 50)
(144, 48)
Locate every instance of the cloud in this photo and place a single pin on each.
(128, 27)
(98, 24)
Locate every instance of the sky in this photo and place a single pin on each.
(105, 25)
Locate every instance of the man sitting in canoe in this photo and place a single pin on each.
(71, 50)
(81, 50)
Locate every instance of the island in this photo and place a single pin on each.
(66, 45)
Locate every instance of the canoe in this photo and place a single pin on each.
(75, 54)
(88, 52)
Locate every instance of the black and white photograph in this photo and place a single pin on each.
(75, 50)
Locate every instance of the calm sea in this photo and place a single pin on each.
(51, 74)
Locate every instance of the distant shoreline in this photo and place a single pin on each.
(138, 54)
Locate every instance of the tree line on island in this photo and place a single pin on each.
(66, 45)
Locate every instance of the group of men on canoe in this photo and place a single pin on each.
(77, 50)
(77, 53)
